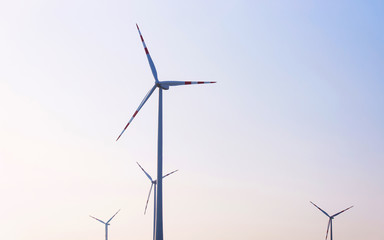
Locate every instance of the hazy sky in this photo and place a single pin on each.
(296, 116)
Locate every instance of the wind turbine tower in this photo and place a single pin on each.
(153, 182)
(161, 85)
(105, 223)
(330, 220)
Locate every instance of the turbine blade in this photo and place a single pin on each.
(151, 64)
(138, 109)
(329, 224)
(113, 216)
(170, 173)
(149, 176)
(178, 83)
(97, 219)
(146, 204)
(341, 211)
(321, 209)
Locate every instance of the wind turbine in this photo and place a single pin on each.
(153, 182)
(105, 223)
(330, 219)
(161, 85)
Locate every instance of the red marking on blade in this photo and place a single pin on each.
(137, 27)
(213, 82)
(135, 114)
(187, 83)
(142, 39)
(200, 82)
(146, 50)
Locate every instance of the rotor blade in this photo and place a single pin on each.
(329, 224)
(151, 64)
(178, 83)
(321, 209)
(146, 204)
(341, 211)
(97, 219)
(170, 173)
(149, 176)
(138, 109)
(113, 216)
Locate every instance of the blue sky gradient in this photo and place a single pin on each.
(296, 116)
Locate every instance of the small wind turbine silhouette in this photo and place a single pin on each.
(153, 182)
(161, 85)
(330, 219)
(105, 223)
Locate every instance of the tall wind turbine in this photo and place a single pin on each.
(105, 223)
(330, 219)
(153, 182)
(161, 85)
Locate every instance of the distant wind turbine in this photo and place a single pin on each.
(153, 182)
(330, 219)
(105, 223)
(161, 85)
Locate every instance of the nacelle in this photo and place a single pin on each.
(163, 86)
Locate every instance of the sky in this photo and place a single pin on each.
(295, 116)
